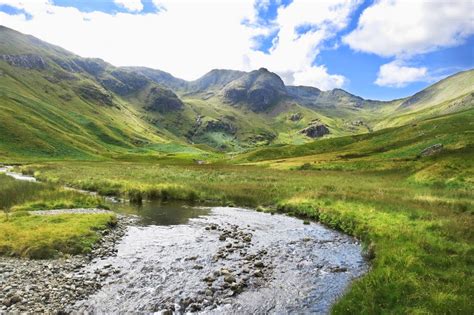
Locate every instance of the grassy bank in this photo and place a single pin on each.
(41, 237)
(413, 213)
(38, 237)
(419, 234)
(18, 195)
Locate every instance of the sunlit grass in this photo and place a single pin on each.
(39, 237)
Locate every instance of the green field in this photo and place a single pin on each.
(414, 214)
(84, 123)
(27, 235)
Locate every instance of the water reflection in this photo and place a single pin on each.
(161, 213)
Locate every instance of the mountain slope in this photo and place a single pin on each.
(57, 104)
(452, 94)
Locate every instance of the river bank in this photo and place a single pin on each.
(49, 286)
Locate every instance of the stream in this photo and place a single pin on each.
(179, 258)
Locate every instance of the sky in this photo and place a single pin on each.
(377, 49)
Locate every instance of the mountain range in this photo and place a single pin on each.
(54, 103)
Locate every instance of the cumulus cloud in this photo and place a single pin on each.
(130, 5)
(292, 54)
(395, 74)
(405, 28)
(188, 38)
(318, 76)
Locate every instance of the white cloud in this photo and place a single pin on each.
(395, 74)
(406, 27)
(292, 55)
(188, 38)
(130, 5)
(318, 76)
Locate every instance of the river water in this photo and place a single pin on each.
(216, 260)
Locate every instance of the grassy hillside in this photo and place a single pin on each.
(413, 214)
(385, 149)
(56, 105)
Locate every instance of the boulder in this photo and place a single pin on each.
(315, 130)
(432, 150)
(296, 117)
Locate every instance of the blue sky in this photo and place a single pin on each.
(375, 49)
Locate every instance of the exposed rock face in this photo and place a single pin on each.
(91, 65)
(92, 93)
(67, 65)
(432, 150)
(28, 61)
(124, 82)
(162, 100)
(315, 130)
(215, 79)
(260, 89)
(296, 117)
(219, 125)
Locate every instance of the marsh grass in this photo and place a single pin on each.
(18, 195)
(40, 237)
(418, 236)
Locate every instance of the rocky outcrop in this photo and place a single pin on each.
(219, 125)
(93, 66)
(93, 94)
(432, 150)
(162, 100)
(259, 90)
(296, 116)
(315, 130)
(124, 82)
(67, 65)
(28, 61)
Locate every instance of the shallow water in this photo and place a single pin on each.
(278, 264)
(7, 171)
(162, 267)
(157, 212)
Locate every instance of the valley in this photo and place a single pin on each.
(363, 206)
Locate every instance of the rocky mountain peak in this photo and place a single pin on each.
(260, 89)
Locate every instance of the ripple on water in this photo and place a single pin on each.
(162, 267)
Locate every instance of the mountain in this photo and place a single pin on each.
(259, 89)
(54, 103)
(161, 77)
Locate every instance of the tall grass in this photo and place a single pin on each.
(418, 235)
(18, 195)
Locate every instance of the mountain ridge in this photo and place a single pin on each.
(135, 108)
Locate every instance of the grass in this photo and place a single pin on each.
(40, 237)
(25, 196)
(413, 214)
(420, 233)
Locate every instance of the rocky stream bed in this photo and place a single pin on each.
(174, 258)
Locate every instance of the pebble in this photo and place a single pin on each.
(50, 286)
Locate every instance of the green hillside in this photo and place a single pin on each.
(55, 105)
(393, 148)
